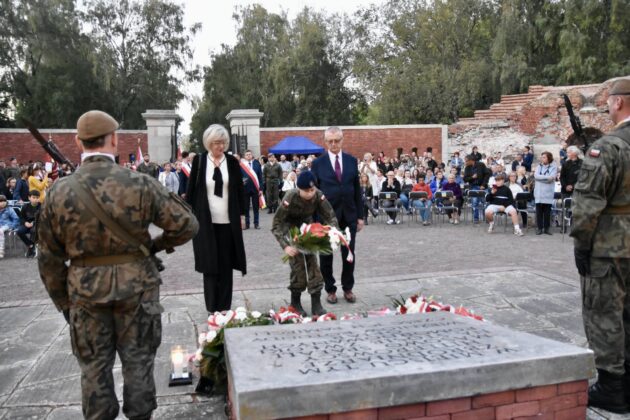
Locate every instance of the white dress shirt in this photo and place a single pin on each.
(333, 159)
(218, 205)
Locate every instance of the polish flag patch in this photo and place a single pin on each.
(594, 153)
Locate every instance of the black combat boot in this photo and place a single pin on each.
(608, 392)
(316, 305)
(626, 384)
(296, 303)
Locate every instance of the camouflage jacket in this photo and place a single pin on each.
(601, 201)
(68, 230)
(295, 210)
(272, 172)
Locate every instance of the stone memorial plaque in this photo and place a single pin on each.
(298, 370)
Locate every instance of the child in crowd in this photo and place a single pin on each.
(29, 213)
(500, 199)
(8, 221)
(299, 206)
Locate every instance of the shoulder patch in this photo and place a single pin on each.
(285, 204)
(323, 197)
(594, 153)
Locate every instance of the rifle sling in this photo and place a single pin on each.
(88, 199)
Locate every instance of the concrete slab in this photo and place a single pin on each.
(289, 370)
(26, 413)
(66, 413)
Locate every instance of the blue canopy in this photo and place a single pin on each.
(296, 145)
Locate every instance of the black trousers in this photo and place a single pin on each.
(251, 199)
(543, 215)
(217, 288)
(347, 272)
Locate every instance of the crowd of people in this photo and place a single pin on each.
(419, 182)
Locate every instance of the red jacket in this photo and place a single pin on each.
(424, 188)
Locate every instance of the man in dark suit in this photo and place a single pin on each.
(252, 191)
(337, 175)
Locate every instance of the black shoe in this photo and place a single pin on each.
(547, 232)
(316, 305)
(269, 211)
(296, 303)
(31, 252)
(538, 231)
(246, 227)
(608, 393)
(256, 226)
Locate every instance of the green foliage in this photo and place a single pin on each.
(123, 57)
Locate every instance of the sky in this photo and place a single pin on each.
(219, 28)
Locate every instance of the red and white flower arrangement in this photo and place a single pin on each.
(418, 304)
(315, 238)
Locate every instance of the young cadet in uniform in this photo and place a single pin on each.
(299, 206)
(600, 228)
(109, 294)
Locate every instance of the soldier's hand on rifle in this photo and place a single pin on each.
(291, 251)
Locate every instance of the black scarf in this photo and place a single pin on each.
(217, 177)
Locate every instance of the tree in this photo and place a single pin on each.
(143, 55)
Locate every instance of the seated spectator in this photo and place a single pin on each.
(428, 177)
(38, 180)
(9, 188)
(500, 199)
(423, 205)
(415, 175)
(391, 185)
(458, 198)
(517, 162)
(28, 216)
(457, 163)
(21, 188)
(438, 182)
(169, 179)
(406, 184)
(517, 188)
(458, 177)
(521, 178)
(8, 221)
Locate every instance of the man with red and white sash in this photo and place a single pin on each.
(252, 178)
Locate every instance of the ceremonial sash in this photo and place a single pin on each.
(186, 169)
(252, 175)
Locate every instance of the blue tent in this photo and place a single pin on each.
(296, 145)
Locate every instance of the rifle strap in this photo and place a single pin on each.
(88, 199)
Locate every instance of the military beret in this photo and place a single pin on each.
(620, 87)
(306, 180)
(95, 124)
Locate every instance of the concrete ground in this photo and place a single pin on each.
(528, 283)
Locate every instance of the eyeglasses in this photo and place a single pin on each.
(336, 141)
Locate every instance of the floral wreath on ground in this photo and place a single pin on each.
(210, 356)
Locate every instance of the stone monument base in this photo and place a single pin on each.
(566, 401)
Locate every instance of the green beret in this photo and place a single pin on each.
(95, 124)
(620, 87)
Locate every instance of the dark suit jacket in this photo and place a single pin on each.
(204, 243)
(344, 196)
(250, 188)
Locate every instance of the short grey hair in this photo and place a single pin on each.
(213, 133)
(332, 131)
(576, 150)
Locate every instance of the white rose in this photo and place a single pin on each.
(256, 314)
(198, 355)
(210, 335)
(240, 316)
(202, 338)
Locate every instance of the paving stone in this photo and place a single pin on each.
(536, 305)
(516, 319)
(52, 393)
(54, 364)
(66, 413)
(26, 413)
(210, 411)
(13, 320)
(11, 376)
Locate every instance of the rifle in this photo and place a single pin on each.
(48, 145)
(576, 124)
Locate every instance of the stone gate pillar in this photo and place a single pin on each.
(160, 127)
(247, 121)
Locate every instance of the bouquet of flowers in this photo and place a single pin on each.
(417, 304)
(316, 238)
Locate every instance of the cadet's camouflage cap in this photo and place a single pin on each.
(620, 87)
(95, 124)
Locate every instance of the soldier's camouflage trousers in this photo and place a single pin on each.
(273, 193)
(606, 312)
(300, 279)
(133, 327)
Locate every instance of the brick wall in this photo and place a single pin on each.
(566, 401)
(21, 144)
(361, 139)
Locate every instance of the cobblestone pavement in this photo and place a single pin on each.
(527, 283)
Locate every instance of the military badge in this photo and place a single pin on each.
(594, 153)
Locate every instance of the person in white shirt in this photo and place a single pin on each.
(168, 178)
(289, 182)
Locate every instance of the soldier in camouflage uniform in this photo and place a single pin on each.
(272, 173)
(299, 206)
(109, 293)
(601, 228)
